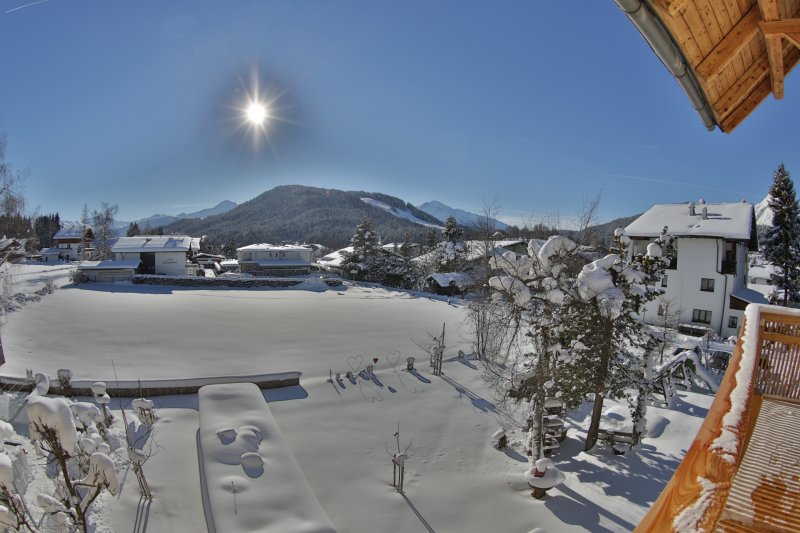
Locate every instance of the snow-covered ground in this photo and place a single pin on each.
(341, 433)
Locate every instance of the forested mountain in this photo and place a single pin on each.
(307, 214)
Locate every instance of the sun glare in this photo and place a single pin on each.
(256, 113)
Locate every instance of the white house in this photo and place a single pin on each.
(159, 254)
(274, 259)
(707, 281)
(68, 244)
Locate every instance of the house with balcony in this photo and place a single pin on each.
(706, 283)
(69, 243)
(274, 259)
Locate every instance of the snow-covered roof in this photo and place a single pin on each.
(457, 279)
(749, 296)
(9, 243)
(129, 264)
(153, 243)
(50, 251)
(71, 232)
(274, 247)
(334, 259)
(229, 262)
(729, 221)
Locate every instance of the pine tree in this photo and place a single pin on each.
(782, 241)
(452, 252)
(365, 249)
(133, 230)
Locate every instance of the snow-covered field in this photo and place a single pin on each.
(340, 433)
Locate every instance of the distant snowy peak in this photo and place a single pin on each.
(399, 213)
(464, 218)
(763, 212)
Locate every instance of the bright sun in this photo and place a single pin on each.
(256, 113)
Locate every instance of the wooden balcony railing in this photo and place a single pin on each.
(766, 361)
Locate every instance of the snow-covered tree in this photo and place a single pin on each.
(610, 349)
(365, 243)
(782, 240)
(582, 335)
(104, 233)
(451, 253)
(369, 262)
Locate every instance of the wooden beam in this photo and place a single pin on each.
(673, 7)
(759, 93)
(736, 39)
(775, 56)
(779, 27)
(769, 9)
(794, 38)
(738, 92)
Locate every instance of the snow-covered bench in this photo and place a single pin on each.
(251, 479)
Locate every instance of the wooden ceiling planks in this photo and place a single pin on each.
(740, 50)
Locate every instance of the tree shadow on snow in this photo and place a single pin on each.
(572, 508)
(639, 476)
(479, 402)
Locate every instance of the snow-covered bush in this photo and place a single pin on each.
(52, 427)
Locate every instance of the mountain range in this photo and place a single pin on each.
(298, 213)
(159, 220)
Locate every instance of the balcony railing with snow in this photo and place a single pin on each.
(764, 368)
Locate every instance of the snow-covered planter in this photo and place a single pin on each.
(500, 439)
(543, 477)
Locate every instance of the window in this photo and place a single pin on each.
(733, 321)
(661, 309)
(707, 284)
(702, 316)
(664, 280)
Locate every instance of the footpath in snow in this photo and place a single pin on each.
(252, 481)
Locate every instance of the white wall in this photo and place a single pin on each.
(171, 263)
(702, 258)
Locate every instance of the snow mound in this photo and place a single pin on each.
(253, 482)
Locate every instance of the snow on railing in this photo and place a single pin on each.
(767, 360)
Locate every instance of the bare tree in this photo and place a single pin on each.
(12, 199)
(587, 216)
(666, 325)
(104, 233)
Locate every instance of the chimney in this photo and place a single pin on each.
(691, 209)
(704, 213)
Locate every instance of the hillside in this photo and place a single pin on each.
(465, 219)
(309, 214)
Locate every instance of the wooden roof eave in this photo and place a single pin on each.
(655, 32)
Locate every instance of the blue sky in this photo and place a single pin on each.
(535, 104)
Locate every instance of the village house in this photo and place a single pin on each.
(158, 254)
(274, 259)
(69, 243)
(706, 283)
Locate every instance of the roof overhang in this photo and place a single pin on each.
(727, 56)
